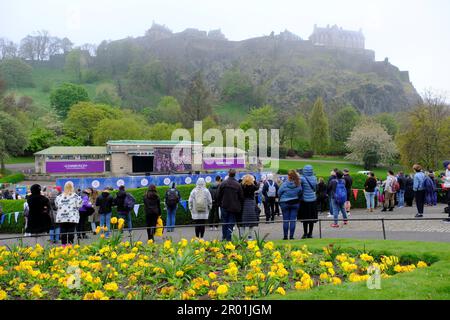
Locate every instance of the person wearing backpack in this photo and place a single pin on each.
(105, 203)
(200, 203)
(214, 212)
(171, 199)
(125, 203)
(419, 189)
(389, 191)
(338, 198)
(270, 191)
(230, 198)
(308, 205)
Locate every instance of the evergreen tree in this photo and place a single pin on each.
(196, 105)
(320, 135)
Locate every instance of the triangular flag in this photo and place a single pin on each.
(355, 193)
(16, 215)
(9, 217)
(2, 218)
(184, 204)
(136, 209)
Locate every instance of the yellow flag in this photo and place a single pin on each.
(159, 229)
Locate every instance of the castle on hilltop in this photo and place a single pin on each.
(337, 37)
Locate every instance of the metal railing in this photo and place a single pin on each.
(237, 224)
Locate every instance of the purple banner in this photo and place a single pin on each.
(74, 166)
(225, 163)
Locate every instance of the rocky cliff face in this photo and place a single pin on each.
(288, 69)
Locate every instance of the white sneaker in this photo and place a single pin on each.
(216, 229)
(329, 215)
(211, 229)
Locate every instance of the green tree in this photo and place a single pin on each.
(16, 73)
(196, 105)
(84, 117)
(342, 124)
(295, 133)
(237, 87)
(39, 139)
(66, 96)
(319, 130)
(120, 129)
(75, 63)
(162, 130)
(263, 118)
(370, 144)
(12, 138)
(388, 121)
(106, 93)
(168, 111)
(425, 136)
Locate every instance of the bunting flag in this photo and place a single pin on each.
(9, 217)
(16, 216)
(2, 218)
(136, 209)
(355, 193)
(184, 204)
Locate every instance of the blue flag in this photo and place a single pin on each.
(184, 204)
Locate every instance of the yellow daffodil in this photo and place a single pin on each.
(113, 220)
(3, 295)
(222, 289)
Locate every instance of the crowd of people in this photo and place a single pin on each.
(231, 203)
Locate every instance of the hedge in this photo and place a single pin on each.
(13, 178)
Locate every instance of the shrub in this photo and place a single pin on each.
(13, 178)
(308, 154)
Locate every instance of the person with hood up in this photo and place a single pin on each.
(105, 203)
(152, 209)
(39, 216)
(308, 206)
(200, 202)
(85, 211)
(290, 194)
(214, 217)
(68, 215)
(122, 210)
(409, 191)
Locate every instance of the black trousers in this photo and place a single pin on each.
(70, 229)
(81, 227)
(150, 221)
(200, 230)
(213, 218)
(420, 200)
(322, 204)
(270, 209)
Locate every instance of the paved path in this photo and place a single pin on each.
(421, 230)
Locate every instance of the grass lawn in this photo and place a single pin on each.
(322, 169)
(429, 283)
(16, 160)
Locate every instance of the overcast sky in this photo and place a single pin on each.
(414, 34)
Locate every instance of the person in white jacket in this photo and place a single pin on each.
(389, 191)
(68, 204)
(200, 203)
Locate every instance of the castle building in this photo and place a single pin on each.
(337, 37)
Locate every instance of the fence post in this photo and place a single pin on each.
(320, 228)
(384, 229)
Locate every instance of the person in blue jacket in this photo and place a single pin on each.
(308, 206)
(289, 196)
(419, 189)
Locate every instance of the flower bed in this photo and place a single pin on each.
(196, 269)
